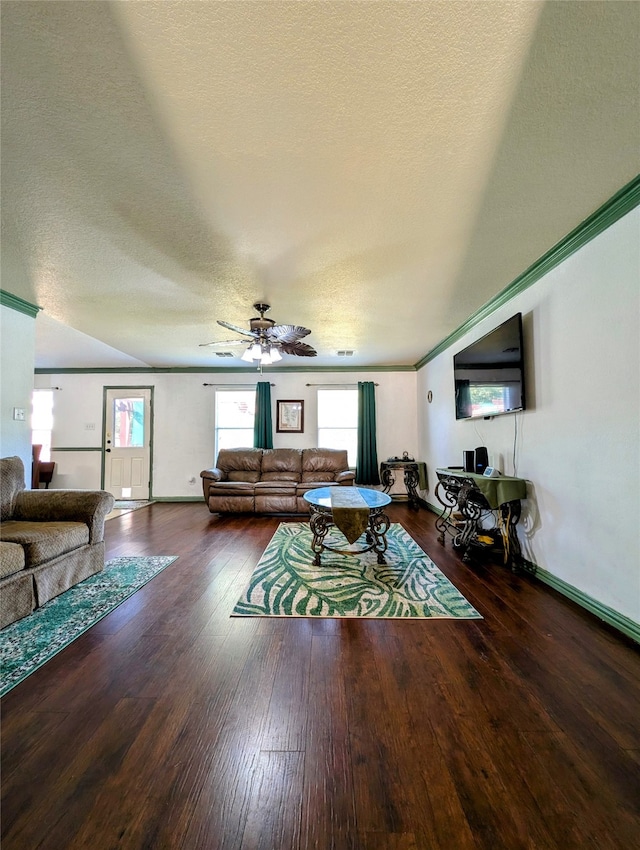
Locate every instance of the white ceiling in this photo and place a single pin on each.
(375, 171)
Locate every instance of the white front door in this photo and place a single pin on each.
(127, 442)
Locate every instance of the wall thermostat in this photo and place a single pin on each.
(491, 472)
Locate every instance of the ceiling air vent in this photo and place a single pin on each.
(345, 353)
(224, 354)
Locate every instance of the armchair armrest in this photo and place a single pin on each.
(209, 475)
(346, 477)
(88, 506)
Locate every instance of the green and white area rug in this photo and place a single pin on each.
(410, 586)
(29, 643)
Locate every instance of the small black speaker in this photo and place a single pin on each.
(469, 462)
(482, 459)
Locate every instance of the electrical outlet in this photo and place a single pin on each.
(18, 414)
(89, 426)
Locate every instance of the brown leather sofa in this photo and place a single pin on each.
(271, 480)
(49, 540)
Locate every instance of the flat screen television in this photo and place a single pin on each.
(489, 373)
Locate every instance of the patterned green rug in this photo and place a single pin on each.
(29, 643)
(286, 584)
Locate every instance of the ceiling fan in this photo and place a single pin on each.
(268, 341)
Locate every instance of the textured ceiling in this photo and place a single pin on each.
(374, 171)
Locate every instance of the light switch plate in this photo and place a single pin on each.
(18, 414)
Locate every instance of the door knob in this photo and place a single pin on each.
(108, 450)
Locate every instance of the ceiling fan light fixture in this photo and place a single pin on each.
(270, 340)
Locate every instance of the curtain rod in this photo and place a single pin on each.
(329, 386)
(235, 386)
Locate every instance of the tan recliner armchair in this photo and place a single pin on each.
(49, 540)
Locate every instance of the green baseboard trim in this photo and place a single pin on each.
(613, 618)
(178, 499)
(603, 612)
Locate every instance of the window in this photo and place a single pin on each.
(128, 423)
(338, 421)
(42, 421)
(235, 411)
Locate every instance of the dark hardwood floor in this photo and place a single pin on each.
(171, 725)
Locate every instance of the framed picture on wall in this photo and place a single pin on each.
(290, 416)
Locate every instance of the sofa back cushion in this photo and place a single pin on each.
(11, 483)
(323, 464)
(240, 464)
(281, 465)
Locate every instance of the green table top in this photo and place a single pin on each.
(496, 491)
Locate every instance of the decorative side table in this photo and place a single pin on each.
(415, 473)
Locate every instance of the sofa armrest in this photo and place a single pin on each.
(346, 477)
(88, 506)
(208, 476)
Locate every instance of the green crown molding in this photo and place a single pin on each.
(614, 209)
(208, 370)
(18, 304)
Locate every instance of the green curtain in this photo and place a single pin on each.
(262, 427)
(367, 461)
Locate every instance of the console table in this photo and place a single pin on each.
(415, 473)
(469, 500)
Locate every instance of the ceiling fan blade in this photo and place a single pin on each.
(287, 333)
(299, 348)
(225, 342)
(235, 328)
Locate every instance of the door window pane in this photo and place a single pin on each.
(128, 423)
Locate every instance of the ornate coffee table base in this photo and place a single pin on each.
(376, 534)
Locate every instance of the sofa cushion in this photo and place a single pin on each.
(235, 488)
(43, 541)
(11, 558)
(281, 465)
(11, 483)
(243, 475)
(240, 464)
(323, 464)
(265, 488)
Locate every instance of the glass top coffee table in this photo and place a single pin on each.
(369, 510)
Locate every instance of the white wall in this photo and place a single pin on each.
(17, 357)
(184, 420)
(578, 445)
